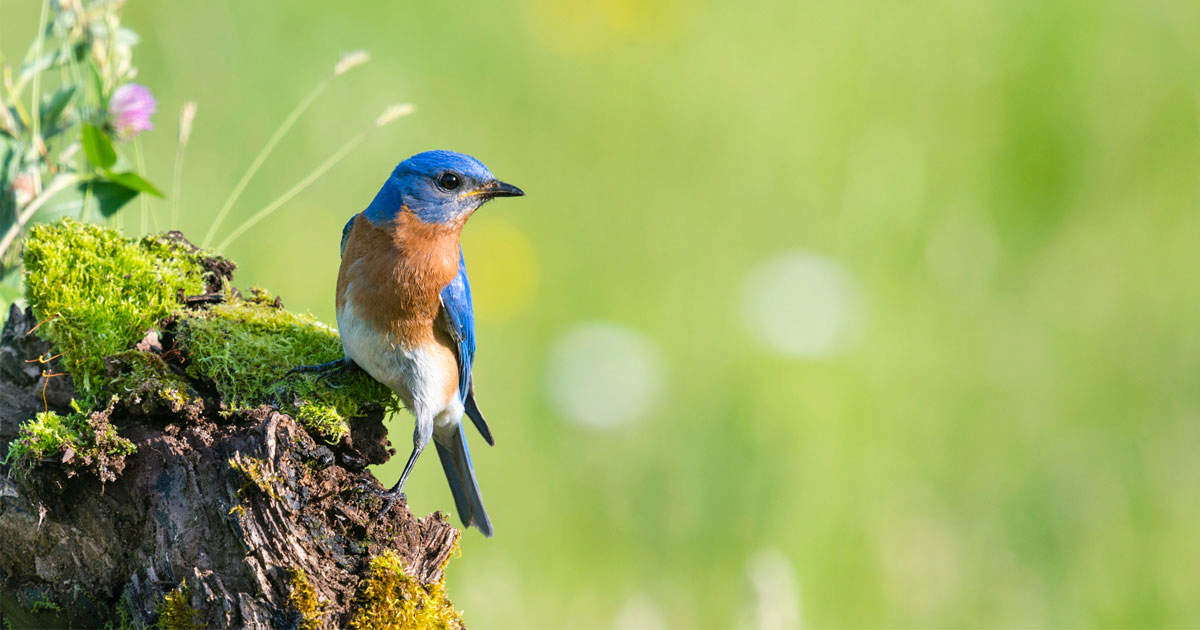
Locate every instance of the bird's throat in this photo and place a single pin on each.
(394, 275)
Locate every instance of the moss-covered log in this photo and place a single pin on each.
(161, 469)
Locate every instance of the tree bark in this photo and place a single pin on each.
(235, 505)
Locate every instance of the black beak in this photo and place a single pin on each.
(497, 188)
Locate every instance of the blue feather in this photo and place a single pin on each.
(460, 317)
(413, 185)
(460, 323)
(460, 474)
(346, 232)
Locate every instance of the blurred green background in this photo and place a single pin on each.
(823, 314)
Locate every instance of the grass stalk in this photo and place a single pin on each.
(36, 118)
(185, 132)
(262, 156)
(307, 181)
(391, 114)
(146, 215)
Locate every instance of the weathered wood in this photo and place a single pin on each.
(185, 509)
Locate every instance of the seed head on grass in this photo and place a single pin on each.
(350, 60)
(186, 116)
(392, 113)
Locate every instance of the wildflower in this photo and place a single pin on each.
(131, 107)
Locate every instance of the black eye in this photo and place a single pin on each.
(449, 180)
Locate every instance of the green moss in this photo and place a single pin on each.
(96, 293)
(45, 605)
(324, 420)
(44, 436)
(391, 599)
(245, 347)
(143, 377)
(80, 441)
(255, 475)
(123, 618)
(263, 297)
(175, 611)
(303, 599)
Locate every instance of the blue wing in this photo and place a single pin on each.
(346, 237)
(459, 319)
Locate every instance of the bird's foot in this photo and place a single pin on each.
(323, 370)
(335, 365)
(390, 497)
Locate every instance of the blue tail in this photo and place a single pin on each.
(476, 417)
(456, 461)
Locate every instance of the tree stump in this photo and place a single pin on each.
(235, 519)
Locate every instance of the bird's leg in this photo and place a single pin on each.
(421, 435)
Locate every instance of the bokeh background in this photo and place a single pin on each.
(824, 314)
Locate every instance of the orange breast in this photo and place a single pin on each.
(393, 276)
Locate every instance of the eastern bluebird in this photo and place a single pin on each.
(404, 307)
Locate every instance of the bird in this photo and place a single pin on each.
(404, 309)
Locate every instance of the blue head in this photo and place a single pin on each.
(437, 187)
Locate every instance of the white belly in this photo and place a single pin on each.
(412, 372)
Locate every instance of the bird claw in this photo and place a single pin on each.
(389, 501)
(323, 370)
(325, 375)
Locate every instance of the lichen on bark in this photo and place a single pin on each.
(391, 598)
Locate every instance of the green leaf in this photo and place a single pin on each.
(41, 64)
(97, 83)
(53, 109)
(111, 197)
(8, 122)
(10, 153)
(98, 147)
(133, 181)
(80, 51)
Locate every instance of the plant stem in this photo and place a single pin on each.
(36, 118)
(176, 177)
(59, 184)
(87, 199)
(176, 185)
(141, 165)
(262, 156)
(295, 190)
